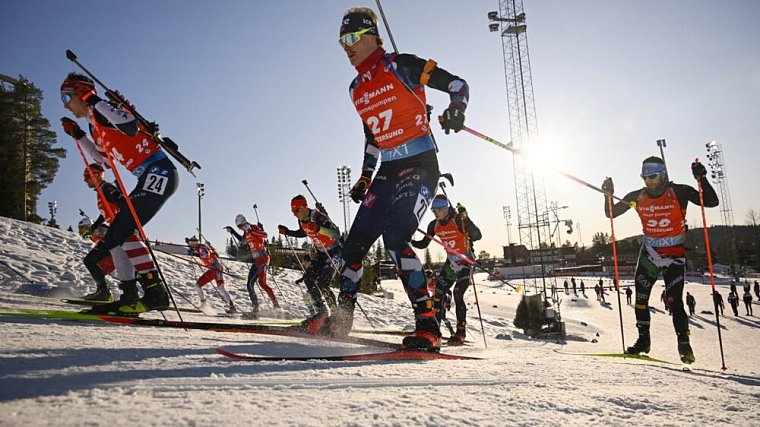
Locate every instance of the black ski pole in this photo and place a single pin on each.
(166, 143)
(17, 273)
(256, 211)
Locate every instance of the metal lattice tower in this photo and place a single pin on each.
(529, 183)
(719, 176)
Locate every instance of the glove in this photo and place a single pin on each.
(462, 211)
(607, 186)
(359, 189)
(282, 229)
(698, 169)
(452, 118)
(229, 229)
(72, 128)
(260, 225)
(85, 231)
(320, 208)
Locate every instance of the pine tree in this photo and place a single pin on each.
(29, 161)
(428, 259)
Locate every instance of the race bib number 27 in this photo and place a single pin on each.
(155, 183)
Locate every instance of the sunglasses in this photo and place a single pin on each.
(650, 176)
(350, 39)
(66, 98)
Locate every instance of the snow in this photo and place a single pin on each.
(55, 372)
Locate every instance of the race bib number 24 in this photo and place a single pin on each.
(155, 183)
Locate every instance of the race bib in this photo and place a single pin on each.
(155, 183)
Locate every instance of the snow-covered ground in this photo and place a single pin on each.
(64, 373)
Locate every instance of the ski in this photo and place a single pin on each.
(399, 354)
(254, 328)
(75, 301)
(619, 355)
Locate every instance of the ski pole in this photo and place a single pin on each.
(167, 144)
(256, 211)
(17, 273)
(710, 267)
(617, 273)
(472, 277)
(509, 147)
(303, 270)
(332, 262)
(464, 257)
(143, 236)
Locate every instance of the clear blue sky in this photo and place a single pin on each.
(257, 93)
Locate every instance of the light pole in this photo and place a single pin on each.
(201, 192)
(508, 219)
(344, 184)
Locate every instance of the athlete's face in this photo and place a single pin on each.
(301, 213)
(440, 214)
(362, 49)
(652, 182)
(77, 107)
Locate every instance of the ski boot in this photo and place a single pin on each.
(642, 345)
(316, 324)
(684, 349)
(458, 337)
(128, 292)
(253, 314)
(427, 331)
(101, 294)
(342, 320)
(205, 307)
(155, 296)
(231, 308)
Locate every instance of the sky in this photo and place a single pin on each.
(257, 93)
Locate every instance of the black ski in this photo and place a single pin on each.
(399, 354)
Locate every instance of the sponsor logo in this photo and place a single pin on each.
(367, 96)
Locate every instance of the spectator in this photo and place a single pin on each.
(718, 301)
(733, 299)
(691, 303)
(747, 300)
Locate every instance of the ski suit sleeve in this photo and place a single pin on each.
(114, 195)
(235, 233)
(258, 232)
(472, 230)
(371, 153)
(422, 72)
(94, 150)
(298, 232)
(686, 194)
(98, 222)
(108, 114)
(620, 208)
(425, 241)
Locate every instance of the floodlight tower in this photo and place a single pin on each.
(529, 183)
(719, 176)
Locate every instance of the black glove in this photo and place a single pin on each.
(320, 208)
(608, 187)
(229, 229)
(417, 244)
(452, 118)
(72, 128)
(462, 211)
(282, 229)
(359, 189)
(260, 225)
(698, 169)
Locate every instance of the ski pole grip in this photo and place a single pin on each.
(71, 56)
